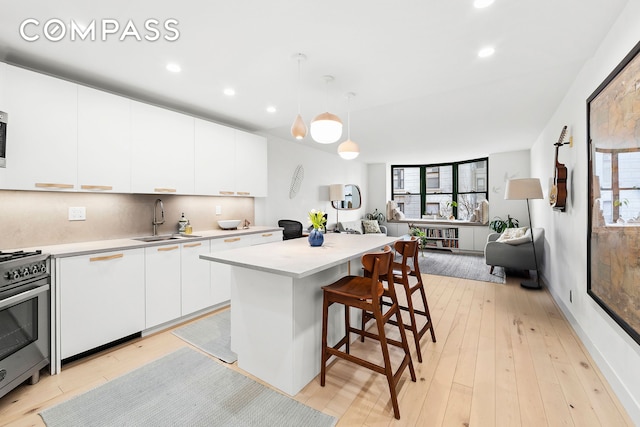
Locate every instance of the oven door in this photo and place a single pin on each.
(24, 333)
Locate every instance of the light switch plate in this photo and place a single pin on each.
(78, 213)
(218, 210)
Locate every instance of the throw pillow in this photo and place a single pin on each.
(370, 226)
(515, 236)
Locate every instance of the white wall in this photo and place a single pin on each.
(565, 266)
(321, 169)
(503, 166)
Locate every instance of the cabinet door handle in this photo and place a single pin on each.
(164, 190)
(267, 235)
(52, 185)
(97, 187)
(167, 248)
(231, 240)
(243, 193)
(226, 193)
(106, 257)
(192, 245)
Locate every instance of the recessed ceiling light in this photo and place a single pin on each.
(480, 4)
(229, 91)
(486, 52)
(173, 67)
(271, 109)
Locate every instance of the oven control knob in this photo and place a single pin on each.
(34, 269)
(16, 274)
(43, 268)
(25, 272)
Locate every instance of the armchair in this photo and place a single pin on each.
(514, 256)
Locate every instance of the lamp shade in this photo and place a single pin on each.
(326, 128)
(299, 129)
(348, 150)
(336, 192)
(522, 189)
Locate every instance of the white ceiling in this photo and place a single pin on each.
(422, 94)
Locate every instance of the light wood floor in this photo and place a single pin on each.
(505, 356)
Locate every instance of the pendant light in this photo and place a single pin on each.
(349, 150)
(326, 128)
(298, 128)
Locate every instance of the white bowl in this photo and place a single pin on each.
(228, 224)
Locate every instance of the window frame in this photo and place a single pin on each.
(455, 187)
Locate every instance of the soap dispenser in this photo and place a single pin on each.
(182, 224)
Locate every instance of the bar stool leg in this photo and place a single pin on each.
(387, 365)
(325, 315)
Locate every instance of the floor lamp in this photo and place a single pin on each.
(336, 195)
(525, 189)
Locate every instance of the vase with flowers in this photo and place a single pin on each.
(317, 220)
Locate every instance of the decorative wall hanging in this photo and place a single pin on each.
(296, 181)
(613, 237)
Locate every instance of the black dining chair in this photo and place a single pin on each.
(292, 229)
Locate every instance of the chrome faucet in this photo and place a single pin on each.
(156, 223)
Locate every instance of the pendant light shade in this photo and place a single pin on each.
(326, 128)
(349, 150)
(298, 128)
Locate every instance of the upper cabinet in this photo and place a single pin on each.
(229, 161)
(162, 150)
(66, 137)
(215, 151)
(42, 131)
(104, 141)
(251, 164)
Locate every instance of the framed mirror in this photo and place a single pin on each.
(352, 198)
(614, 194)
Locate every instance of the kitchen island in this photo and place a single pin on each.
(276, 303)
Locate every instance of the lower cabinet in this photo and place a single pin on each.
(162, 284)
(195, 277)
(102, 299)
(221, 273)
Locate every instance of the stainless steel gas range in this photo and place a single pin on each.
(25, 281)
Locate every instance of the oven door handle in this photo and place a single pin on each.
(23, 296)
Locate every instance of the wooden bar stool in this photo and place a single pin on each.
(401, 271)
(365, 293)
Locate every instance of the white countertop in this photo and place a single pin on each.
(84, 248)
(296, 258)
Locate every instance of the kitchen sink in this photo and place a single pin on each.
(157, 238)
(163, 237)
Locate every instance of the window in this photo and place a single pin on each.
(443, 190)
(618, 173)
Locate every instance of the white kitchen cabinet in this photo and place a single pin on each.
(162, 150)
(104, 141)
(221, 273)
(195, 277)
(42, 134)
(215, 161)
(162, 284)
(251, 164)
(267, 237)
(102, 299)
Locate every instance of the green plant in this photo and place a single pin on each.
(317, 219)
(621, 202)
(499, 225)
(378, 216)
(421, 235)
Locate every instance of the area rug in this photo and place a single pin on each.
(464, 266)
(211, 335)
(184, 388)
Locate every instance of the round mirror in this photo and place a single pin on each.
(352, 198)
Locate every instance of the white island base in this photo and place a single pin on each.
(276, 304)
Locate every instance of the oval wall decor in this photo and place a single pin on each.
(296, 181)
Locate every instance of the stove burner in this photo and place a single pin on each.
(8, 256)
